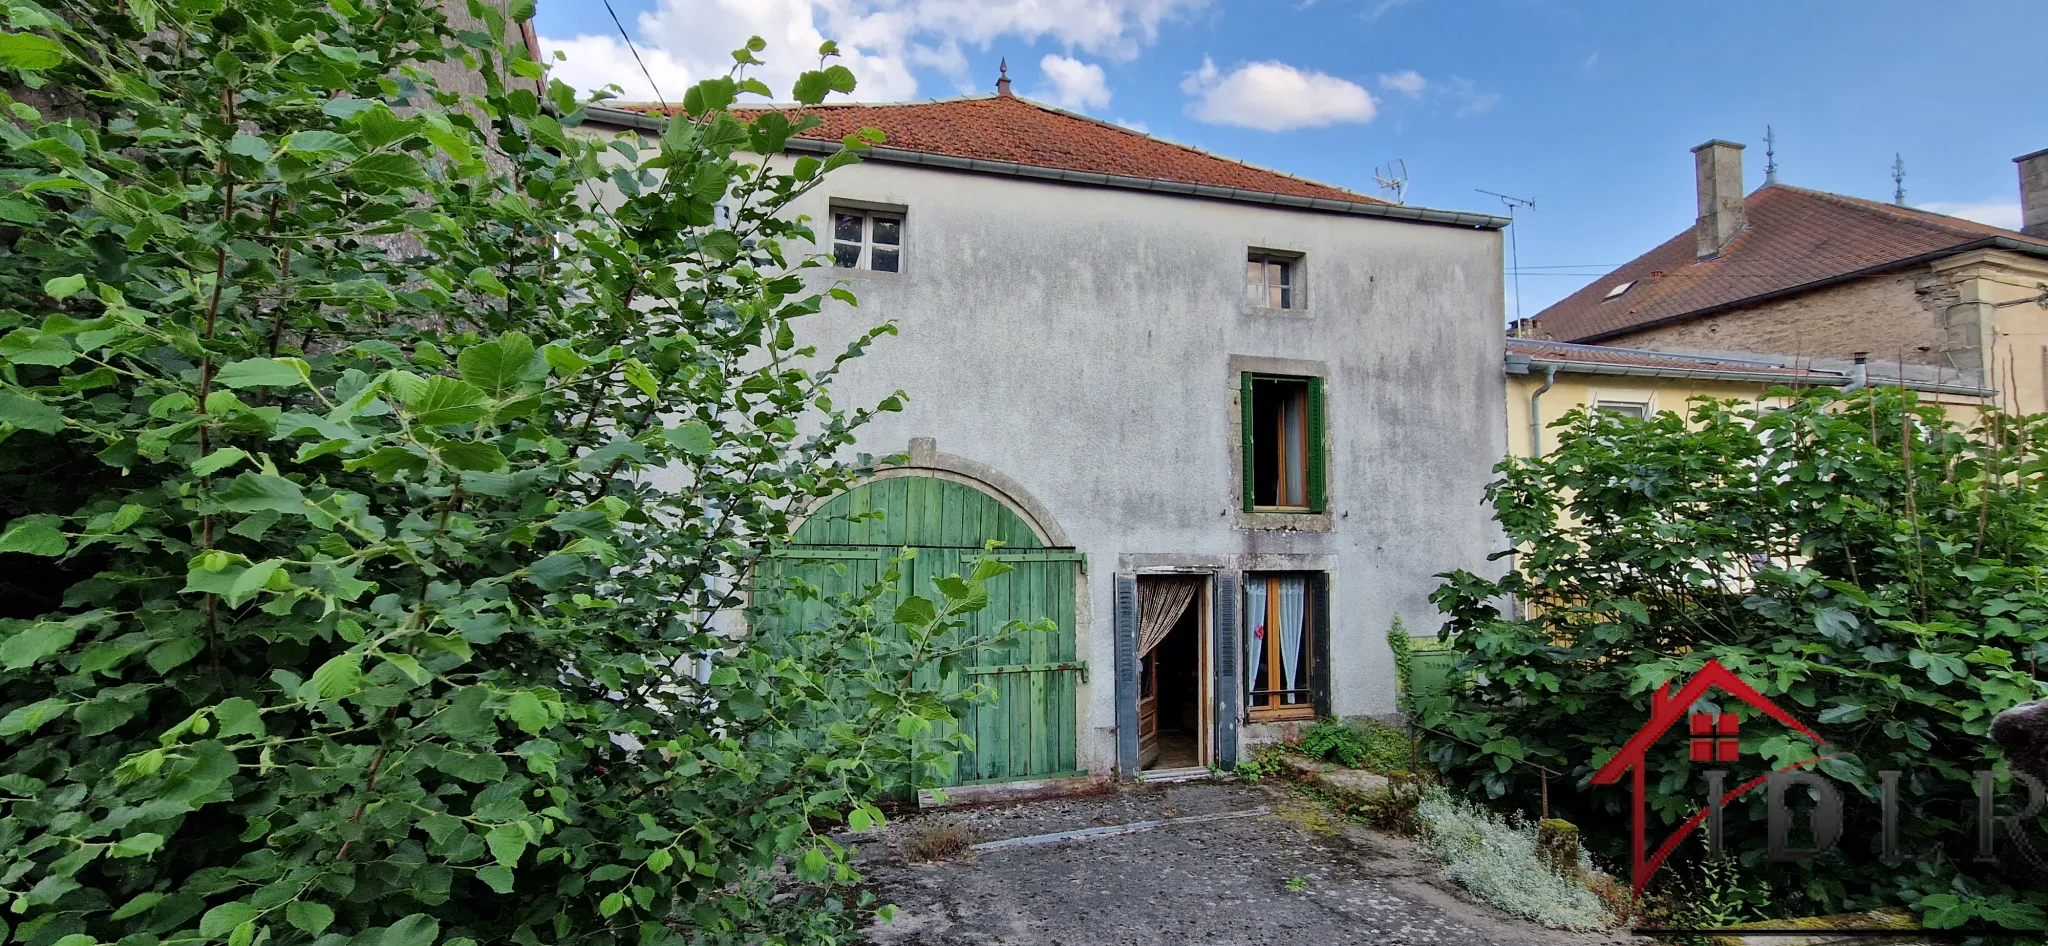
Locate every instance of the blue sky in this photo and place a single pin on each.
(1589, 107)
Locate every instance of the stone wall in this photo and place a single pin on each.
(1901, 316)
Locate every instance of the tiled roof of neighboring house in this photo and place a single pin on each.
(1795, 238)
(1016, 130)
(1638, 362)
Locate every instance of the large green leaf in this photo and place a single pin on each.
(447, 401)
(497, 366)
(35, 535)
(27, 51)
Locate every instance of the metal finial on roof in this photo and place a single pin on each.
(1003, 80)
(1770, 156)
(1898, 179)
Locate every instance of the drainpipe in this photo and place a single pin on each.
(1859, 376)
(1536, 412)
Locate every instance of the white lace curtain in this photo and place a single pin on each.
(1292, 592)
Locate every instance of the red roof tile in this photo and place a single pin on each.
(1651, 361)
(1008, 128)
(1795, 237)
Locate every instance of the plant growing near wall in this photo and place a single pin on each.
(1860, 559)
(348, 602)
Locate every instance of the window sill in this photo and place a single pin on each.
(1284, 714)
(1268, 312)
(839, 272)
(1282, 520)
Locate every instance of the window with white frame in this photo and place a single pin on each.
(867, 239)
(1638, 410)
(1272, 281)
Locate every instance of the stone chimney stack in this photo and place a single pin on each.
(1717, 172)
(2033, 193)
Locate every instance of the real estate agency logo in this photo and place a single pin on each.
(1715, 737)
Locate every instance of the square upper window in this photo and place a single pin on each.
(1272, 281)
(867, 239)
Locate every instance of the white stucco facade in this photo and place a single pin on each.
(1076, 351)
(1085, 343)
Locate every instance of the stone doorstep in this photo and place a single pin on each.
(1011, 792)
(1832, 931)
(1346, 786)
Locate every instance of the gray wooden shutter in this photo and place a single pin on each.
(1228, 688)
(1319, 672)
(1127, 675)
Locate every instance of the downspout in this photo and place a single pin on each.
(1536, 412)
(1535, 452)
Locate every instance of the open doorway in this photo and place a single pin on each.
(1173, 723)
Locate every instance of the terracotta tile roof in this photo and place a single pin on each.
(1017, 130)
(1795, 237)
(1650, 362)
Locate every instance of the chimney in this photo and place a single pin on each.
(1003, 81)
(2033, 193)
(1717, 173)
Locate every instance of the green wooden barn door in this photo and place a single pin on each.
(1029, 731)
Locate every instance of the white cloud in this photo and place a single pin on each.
(1274, 96)
(1385, 7)
(685, 41)
(1471, 99)
(1995, 213)
(1076, 85)
(1137, 126)
(1409, 83)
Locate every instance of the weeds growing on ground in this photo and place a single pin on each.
(934, 841)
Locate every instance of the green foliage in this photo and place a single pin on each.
(1860, 559)
(1361, 744)
(374, 494)
(1403, 647)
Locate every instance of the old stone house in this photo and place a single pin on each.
(1228, 422)
(1817, 278)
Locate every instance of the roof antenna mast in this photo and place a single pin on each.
(1770, 156)
(1393, 179)
(1898, 179)
(1514, 252)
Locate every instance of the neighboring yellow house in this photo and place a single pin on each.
(1546, 379)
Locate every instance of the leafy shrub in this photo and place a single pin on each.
(1335, 741)
(349, 607)
(1496, 858)
(1360, 744)
(1860, 559)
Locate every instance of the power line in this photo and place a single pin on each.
(636, 54)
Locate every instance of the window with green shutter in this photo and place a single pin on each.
(1283, 444)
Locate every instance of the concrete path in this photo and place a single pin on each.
(1208, 881)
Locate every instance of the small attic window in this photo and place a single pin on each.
(1616, 292)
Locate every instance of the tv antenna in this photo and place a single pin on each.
(1898, 179)
(1514, 253)
(1393, 177)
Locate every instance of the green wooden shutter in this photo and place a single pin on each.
(1245, 429)
(1317, 498)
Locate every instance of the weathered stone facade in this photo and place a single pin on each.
(1901, 316)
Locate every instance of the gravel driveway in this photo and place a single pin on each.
(1210, 882)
